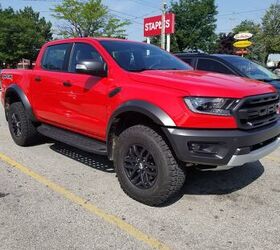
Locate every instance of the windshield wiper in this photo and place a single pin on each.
(268, 80)
(144, 69)
(140, 70)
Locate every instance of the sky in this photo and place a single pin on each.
(231, 12)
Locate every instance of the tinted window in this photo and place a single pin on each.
(83, 51)
(213, 66)
(187, 60)
(134, 56)
(251, 69)
(55, 57)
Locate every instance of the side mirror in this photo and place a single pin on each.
(91, 67)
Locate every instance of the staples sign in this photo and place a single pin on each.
(152, 25)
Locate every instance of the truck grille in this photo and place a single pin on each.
(257, 111)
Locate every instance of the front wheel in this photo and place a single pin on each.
(146, 168)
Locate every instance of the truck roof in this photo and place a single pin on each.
(79, 39)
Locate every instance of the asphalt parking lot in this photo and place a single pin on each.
(56, 197)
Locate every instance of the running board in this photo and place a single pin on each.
(73, 139)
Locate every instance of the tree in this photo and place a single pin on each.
(271, 29)
(115, 28)
(225, 43)
(89, 18)
(257, 49)
(22, 33)
(195, 24)
(247, 26)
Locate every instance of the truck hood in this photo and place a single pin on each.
(202, 83)
(275, 84)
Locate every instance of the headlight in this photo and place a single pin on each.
(211, 106)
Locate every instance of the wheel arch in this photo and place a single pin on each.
(132, 113)
(14, 94)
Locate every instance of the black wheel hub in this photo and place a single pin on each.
(140, 167)
(16, 125)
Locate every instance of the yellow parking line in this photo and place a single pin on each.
(272, 158)
(112, 219)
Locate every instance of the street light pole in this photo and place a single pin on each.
(163, 24)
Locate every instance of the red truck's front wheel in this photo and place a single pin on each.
(146, 168)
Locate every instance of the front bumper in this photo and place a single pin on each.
(230, 148)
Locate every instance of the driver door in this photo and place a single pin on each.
(86, 95)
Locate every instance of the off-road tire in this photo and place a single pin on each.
(28, 135)
(170, 175)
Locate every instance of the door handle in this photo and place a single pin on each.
(38, 79)
(67, 84)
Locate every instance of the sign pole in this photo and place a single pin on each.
(148, 40)
(163, 24)
(168, 42)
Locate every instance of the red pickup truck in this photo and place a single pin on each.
(145, 109)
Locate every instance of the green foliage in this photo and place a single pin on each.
(22, 33)
(89, 18)
(115, 28)
(256, 51)
(195, 25)
(247, 26)
(266, 36)
(271, 29)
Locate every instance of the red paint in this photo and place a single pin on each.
(152, 25)
(85, 107)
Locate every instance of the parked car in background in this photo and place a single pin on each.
(230, 65)
(277, 70)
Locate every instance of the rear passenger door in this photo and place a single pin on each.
(48, 84)
(212, 65)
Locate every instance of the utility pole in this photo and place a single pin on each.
(163, 24)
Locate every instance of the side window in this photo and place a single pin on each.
(187, 60)
(213, 66)
(83, 51)
(55, 57)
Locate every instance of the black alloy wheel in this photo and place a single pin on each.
(16, 125)
(146, 167)
(140, 167)
(22, 129)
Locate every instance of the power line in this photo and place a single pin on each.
(240, 12)
(141, 2)
(132, 16)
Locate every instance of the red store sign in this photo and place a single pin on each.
(152, 25)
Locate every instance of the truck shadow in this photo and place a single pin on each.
(222, 182)
(197, 182)
(98, 162)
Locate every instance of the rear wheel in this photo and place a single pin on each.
(22, 129)
(146, 168)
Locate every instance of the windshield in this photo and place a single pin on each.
(141, 56)
(251, 69)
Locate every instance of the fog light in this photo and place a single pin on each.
(203, 148)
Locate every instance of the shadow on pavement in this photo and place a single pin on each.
(222, 182)
(197, 182)
(98, 162)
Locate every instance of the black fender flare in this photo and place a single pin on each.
(15, 89)
(156, 114)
